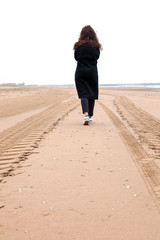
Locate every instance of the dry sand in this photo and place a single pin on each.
(62, 180)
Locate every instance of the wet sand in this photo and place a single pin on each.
(62, 180)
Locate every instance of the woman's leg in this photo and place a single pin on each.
(84, 103)
(91, 103)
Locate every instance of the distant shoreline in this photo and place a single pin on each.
(124, 86)
(101, 84)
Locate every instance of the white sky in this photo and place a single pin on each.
(37, 37)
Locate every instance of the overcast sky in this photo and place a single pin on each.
(37, 37)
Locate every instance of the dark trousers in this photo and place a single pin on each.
(87, 105)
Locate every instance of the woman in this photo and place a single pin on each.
(87, 51)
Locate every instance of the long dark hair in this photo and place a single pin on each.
(88, 34)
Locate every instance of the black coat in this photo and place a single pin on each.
(86, 75)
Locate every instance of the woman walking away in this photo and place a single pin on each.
(86, 53)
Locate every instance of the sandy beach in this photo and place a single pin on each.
(61, 180)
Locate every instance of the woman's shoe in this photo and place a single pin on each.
(91, 120)
(86, 120)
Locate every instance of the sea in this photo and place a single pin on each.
(143, 85)
(135, 86)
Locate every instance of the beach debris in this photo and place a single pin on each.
(20, 206)
(43, 202)
(25, 231)
(135, 195)
(127, 186)
(19, 190)
(46, 214)
(1, 205)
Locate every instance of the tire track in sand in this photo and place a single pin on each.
(146, 126)
(17, 142)
(144, 161)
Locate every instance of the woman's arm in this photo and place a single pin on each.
(75, 55)
(98, 54)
